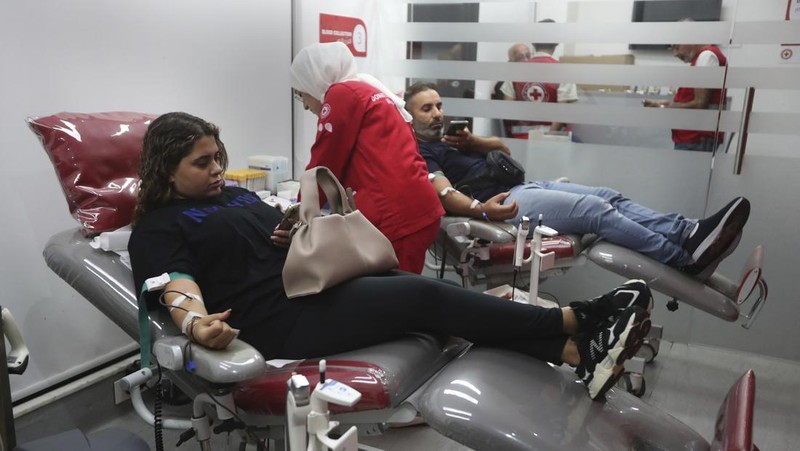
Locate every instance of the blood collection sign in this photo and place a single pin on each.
(349, 30)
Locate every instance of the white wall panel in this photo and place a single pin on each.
(224, 61)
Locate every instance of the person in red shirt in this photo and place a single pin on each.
(364, 136)
(695, 98)
(540, 92)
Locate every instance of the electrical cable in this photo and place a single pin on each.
(247, 429)
(552, 297)
(157, 420)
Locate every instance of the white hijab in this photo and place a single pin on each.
(318, 66)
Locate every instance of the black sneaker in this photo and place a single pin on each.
(712, 236)
(704, 272)
(604, 351)
(607, 308)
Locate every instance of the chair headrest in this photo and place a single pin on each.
(96, 158)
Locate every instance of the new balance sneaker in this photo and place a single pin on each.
(607, 308)
(604, 351)
(712, 236)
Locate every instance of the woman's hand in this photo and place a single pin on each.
(496, 211)
(281, 238)
(282, 235)
(212, 331)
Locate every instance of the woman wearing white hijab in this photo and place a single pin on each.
(364, 136)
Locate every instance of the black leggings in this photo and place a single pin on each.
(370, 310)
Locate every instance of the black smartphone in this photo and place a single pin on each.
(290, 217)
(455, 126)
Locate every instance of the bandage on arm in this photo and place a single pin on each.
(184, 297)
(454, 201)
(187, 320)
(195, 306)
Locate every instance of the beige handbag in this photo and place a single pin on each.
(328, 250)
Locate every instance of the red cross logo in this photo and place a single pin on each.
(534, 92)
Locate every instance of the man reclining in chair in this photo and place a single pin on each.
(459, 171)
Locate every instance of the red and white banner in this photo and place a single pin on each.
(349, 30)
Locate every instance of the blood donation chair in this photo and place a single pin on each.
(482, 252)
(481, 397)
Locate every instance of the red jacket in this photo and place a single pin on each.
(364, 140)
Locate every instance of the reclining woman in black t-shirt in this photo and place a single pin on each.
(225, 254)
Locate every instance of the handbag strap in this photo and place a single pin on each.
(310, 183)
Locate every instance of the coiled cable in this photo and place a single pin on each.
(157, 423)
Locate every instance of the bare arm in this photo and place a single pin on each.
(700, 101)
(459, 204)
(480, 144)
(208, 330)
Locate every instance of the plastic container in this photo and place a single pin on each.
(277, 168)
(288, 189)
(252, 179)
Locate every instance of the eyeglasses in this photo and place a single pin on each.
(297, 95)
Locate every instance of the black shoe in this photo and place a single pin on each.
(704, 272)
(712, 236)
(604, 351)
(607, 308)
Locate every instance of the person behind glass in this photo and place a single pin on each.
(226, 256)
(517, 53)
(695, 98)
(694, 246)
(365, 139)
(542, 92)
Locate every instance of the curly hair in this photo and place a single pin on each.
(168, 139)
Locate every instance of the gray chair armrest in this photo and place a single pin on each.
(494, 231)
(237, 363)
(102, 279)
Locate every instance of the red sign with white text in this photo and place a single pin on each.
(349, 30)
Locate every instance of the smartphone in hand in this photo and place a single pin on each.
(455, 126)
(290, 217)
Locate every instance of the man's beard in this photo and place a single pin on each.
(430, 134)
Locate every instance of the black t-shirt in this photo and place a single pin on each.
(458, 167)
(224, 244)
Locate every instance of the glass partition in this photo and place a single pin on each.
(763, 162)
(611, 61)
(619, 55)
(445, 51)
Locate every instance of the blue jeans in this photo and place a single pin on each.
(576, 209)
